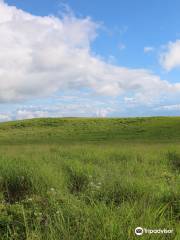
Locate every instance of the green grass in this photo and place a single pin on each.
(88, 179)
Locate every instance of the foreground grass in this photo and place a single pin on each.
(100, 184)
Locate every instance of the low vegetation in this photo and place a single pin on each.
(87, 179)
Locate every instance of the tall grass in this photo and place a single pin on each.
(88, 179)
(87, 192)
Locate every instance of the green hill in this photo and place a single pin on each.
(89, 179)
(59, 130)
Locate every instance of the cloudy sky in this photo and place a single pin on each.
(89, 58)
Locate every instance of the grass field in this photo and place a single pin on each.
(88, 179)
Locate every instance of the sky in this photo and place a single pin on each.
(78, 58)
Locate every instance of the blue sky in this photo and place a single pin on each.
(113, 58)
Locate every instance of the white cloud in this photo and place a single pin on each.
(4, 117)
(44, 55)
(174, 107)
(71, 106)
(170, 57)
(130, 101)
(28, 114)
(148, 49)
(103, 112)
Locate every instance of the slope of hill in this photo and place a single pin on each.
(59, 130)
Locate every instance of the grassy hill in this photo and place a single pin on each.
(88, 179)
(59, 130)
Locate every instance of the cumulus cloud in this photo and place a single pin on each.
(45, 55)
(69, 107)
(170, 57)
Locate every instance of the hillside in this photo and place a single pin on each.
(69, 130)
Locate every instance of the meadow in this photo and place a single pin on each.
(88, 179)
